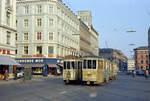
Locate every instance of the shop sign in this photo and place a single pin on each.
(30, 61)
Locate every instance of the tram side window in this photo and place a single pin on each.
(73, 65)
(94, 64)
(89, 64)
(64, 65)
(84, 64)
(68, 65)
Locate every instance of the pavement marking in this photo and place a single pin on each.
(63, 92)
(92, 95)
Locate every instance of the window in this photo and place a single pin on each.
(89, 64)
(141, 61)
(39, 35)
(85, 64)
(8, 37)
(50, 50)
(50, 8)
(68, 65)
(64, 65)
(39, 9)
(39, 22)
(25, 49)
(94, 64)
(50, 22)
(73, 65)
(16, 36)
(16, 22)
(8, 18)
(26, 9)
(141, 57)
(25, 36)
(26, 23)
(50, 36)
(39, 50)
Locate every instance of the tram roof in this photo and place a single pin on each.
(74, 58)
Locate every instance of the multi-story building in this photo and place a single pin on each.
(115, 56)
(85, 43)
(7, 37)
(141, 58)
(94, 41)
(7, 27)
(86, 17)
(46, 28)
(131, 64)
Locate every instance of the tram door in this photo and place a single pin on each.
(79, 70)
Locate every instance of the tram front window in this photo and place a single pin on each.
(73, 65)
(64, 65)
(89, 64)
(94, 64)
(68, 65)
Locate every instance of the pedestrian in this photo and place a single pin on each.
(134, 73)
(6, 75)
(15, 75)
(146, 74)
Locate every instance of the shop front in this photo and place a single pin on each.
(39, 66)
(7, 65)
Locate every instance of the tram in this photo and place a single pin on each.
(89, 70)
(72, 70)
(93, 71)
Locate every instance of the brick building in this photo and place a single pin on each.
(141, 58)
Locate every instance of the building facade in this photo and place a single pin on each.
(141, 58)
(46, 28)
(7, 27)
(86, 17)
(7, 37)
(116, 56)
(131, 64)
(85, 43)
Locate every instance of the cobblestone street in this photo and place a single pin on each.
(125, 88)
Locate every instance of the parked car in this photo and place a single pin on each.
(140, 72)
(20, 74)
(129, 72)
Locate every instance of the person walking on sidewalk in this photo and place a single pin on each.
(6, 75)
(146, 74)
(134, 74)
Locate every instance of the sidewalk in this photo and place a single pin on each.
(8, 82)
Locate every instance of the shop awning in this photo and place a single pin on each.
(4, 60)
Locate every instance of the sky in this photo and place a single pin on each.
(113, 18)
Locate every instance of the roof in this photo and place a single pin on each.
(4, 60)
(142, 48)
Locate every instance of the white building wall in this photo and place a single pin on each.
(131, 64)
(65, 28)
(5, 27)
